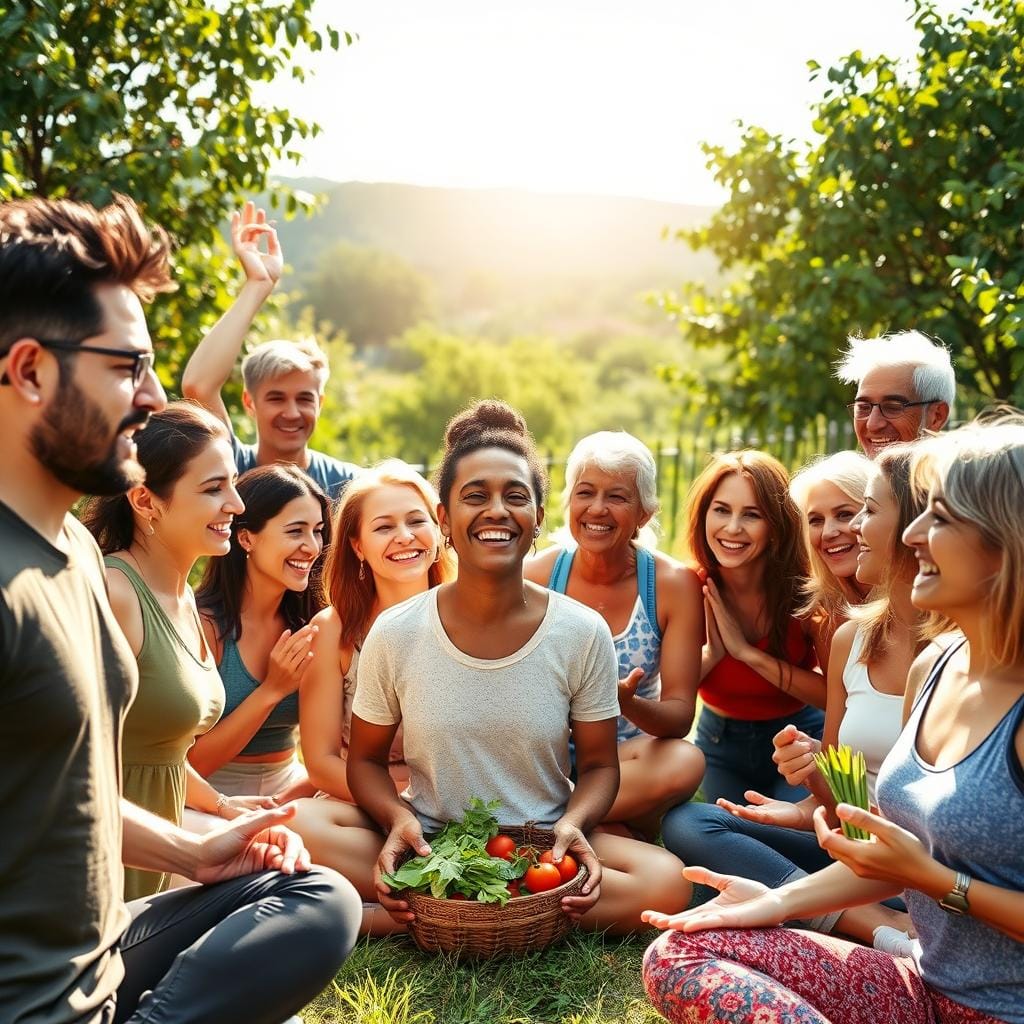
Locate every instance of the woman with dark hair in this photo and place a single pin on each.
(746, 536)
(490, 676)
(152, 537)
(950, 824)
(256, 602)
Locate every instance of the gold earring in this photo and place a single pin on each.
(150, 530)
(362, 569)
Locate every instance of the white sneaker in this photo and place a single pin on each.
(893, 940)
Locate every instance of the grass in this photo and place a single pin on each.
(588, 979)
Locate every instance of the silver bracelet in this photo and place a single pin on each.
(222, 801)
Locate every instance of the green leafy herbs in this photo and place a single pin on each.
(847, 777)
(458, 862)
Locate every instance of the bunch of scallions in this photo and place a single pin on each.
(847, 777)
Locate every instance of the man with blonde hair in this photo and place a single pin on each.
(283, 381)
(905, 386)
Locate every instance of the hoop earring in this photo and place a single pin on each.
(362, 569)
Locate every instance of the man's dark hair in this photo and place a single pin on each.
(53, 254)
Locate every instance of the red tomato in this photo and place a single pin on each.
(567, 866)
(501, 846)
(458, 896)
(542, 877)
(514, 890)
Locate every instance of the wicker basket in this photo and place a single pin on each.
(489, 929)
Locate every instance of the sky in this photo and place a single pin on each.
(570, 96)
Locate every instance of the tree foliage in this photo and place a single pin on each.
(371, 295)
(157, 100)
(904, 212)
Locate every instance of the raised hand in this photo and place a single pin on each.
(767, 811)
(247, 228)
(794, 754)
(740, 903)
(290, 657)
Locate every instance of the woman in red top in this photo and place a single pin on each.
(758, 668)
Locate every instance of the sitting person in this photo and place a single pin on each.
(256, 602)
(152, 537)
(830, 492)
(758, 668)
(951, 795)
(490, 676)
(284, 381)
(654, 608)
(263, 933)
(773, 841)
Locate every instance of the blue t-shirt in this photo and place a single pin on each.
(330, 474)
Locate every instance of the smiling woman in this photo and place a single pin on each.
(490, 676)
(152, 536)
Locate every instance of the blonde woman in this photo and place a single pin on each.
(830, 493)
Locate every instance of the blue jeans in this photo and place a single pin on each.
(739, 754)
(713, 838)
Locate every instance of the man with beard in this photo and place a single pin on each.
(266, 933)
(905, 387)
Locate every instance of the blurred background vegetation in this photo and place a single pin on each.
(584, 312)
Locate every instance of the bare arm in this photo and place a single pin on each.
(681, 607)
(125, 604)
(597, 774)
(210, 365)
(321, 707)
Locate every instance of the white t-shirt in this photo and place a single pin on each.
(494, 729)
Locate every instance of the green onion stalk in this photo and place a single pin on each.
(847, 777)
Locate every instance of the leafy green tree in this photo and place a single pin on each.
(904, 212)
(371, 295)
(157, 100)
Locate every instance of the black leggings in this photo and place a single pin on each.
(255, 949)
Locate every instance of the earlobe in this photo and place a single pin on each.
(23, 371)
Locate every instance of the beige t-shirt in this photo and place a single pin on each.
(494, 729)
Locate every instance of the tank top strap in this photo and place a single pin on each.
(934, 675)
(150, 605)
(560, 571)
(646, 580)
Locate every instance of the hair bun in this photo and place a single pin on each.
(488, 414)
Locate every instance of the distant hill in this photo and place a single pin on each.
(507, 262)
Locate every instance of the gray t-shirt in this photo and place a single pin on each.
(494, 729)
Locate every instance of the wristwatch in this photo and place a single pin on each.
(955, 901)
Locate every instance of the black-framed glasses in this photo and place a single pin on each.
(890, 408)
(142, 362)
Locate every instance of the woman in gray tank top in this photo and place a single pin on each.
(951, 794)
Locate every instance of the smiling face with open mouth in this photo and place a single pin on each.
(492, 513)
(397, 539)
(286, 408)
(195, 520)
(735, 526)
(955, 565)
(604, 509)
(875, 526)
(287, 547)
(830, 512)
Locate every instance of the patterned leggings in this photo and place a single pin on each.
(786, 976)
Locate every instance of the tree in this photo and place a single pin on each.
(371, 295)
(157, 100)
(904, 212)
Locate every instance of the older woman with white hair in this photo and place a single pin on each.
(654, 608)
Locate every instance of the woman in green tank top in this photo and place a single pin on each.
(152, 538)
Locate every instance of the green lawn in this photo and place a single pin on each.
(588, 979)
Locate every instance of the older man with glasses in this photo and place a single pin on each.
(905, 387)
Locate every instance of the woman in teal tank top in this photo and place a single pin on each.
(652, 605)
(152, 537)
(256, 601)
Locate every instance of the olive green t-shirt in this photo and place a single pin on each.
(67, 676)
